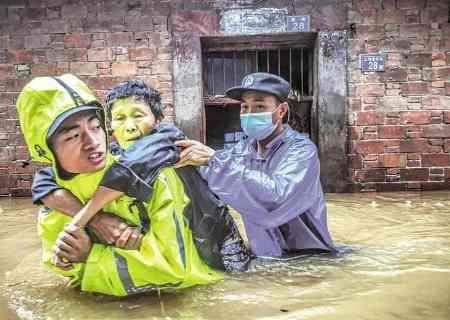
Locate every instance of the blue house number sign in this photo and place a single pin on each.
(372, 62)
(298, 23)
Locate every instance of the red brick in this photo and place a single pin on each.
(436, 160)
(370, 32)
(410, 4)
(6, 71)
(375, 175)
(391, 132)
(419, 59)
(355, 103)
(103, 83)
(136, 23)
(415, 117)
(391, 16)
(395, 74)
(83, 68)
(414, 88)
(447, 146)
(369, 147)
(7, 98)
(371, 90)
(77, 40)
(430, 186)
(44, 69)
(390, 187)
(416, 174)
(355, 161)
(436, 142)
(416, 145)
(355, 133)
(369, 118)
(99, 54)
(440, 73)
(439, 171)
(393, 160)
(138, 54)
(19, 56)
(414, 30)
(437, 131)
(124, 69)
(74, 10)
(413, 164)
(117, 39)
(438, 59)
(77, 54)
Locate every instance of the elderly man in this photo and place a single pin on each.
(272, 177)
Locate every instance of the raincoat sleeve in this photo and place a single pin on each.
(267, 200)
(43, 184)
(159, 263)
(139, 165)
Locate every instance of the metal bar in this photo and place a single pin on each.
(224, 72)
(301, 72)
(290, 66)
(234, 68)
(279, 63)
(257, 61)
(267, 60)
(310, 72)
(213, 78)
(245, 61)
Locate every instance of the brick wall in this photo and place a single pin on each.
(398, 120)
(103, 42)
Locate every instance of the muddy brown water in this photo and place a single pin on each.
(399, 268)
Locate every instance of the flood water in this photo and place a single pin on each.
(399, 268)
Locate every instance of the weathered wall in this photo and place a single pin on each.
(399, 134)
(398, 121)
(103, 42)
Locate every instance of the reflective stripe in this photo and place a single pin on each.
(127, 282)
(180, 240)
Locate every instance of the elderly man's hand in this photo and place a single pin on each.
(113, 230)
(107, 227)
(194, 153)
(73, 245)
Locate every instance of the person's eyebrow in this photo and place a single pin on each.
(63, 129)
(93, 117)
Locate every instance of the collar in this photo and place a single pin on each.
(274, 144)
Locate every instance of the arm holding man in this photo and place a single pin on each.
(272, 178)
(62, 125)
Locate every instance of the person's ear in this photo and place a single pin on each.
(283, 109)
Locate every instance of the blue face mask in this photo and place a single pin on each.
(258, 126)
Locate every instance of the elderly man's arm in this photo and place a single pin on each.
(166, 257)
(107, 228)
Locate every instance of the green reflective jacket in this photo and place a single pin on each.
(167, 257)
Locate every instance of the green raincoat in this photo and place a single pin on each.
(167, 257)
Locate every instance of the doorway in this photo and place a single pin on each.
(227, 60)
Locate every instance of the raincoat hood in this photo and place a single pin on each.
(44, 103)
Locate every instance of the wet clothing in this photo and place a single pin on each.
(167, 257)
(215, 234)
(278, 193)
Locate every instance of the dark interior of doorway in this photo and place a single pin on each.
(226, 60)
(223, 127)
